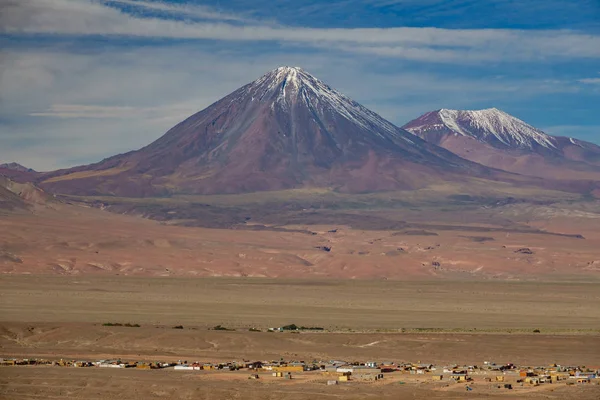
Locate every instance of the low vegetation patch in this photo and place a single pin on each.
(294, 327)
(128, 324)
(221, 328)
(178, 327)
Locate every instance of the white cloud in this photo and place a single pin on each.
(185, 10)
(102, 112)
(77, 17)
(75, 107)
(590, 81)
(66, 106)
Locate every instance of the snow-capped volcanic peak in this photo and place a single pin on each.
(286, 86)
(490, 125)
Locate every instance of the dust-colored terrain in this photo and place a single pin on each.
(471, 239)
(333, 304)
(79, 383)
(444, 322)
(460, 280)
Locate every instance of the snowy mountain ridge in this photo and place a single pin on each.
(292, 84)
(488, 125)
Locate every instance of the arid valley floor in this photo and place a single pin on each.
(439, 322)
(459, 284)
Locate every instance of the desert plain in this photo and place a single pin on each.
(461, 283)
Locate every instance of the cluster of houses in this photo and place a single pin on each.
(343, 371)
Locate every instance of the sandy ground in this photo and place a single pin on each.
(478, 320)
(61, 317)
(150, 343)
(437, 295)
(92, 384)
(73, 240)
(333, 304)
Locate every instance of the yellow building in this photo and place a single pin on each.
(288, 368)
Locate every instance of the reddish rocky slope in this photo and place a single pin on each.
(285, 130)
(496, 139)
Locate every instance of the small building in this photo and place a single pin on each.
(188, 367)
(589, 375)
(500, 378)
(532, 380)
(288, 368)
(459, 377)
(358, 369)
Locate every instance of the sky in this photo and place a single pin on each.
(81, 80)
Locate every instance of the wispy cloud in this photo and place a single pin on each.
(112, 112)
(67, 17)
(77, 99)
(590, 81)
(183, 10)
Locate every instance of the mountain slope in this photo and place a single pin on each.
(15, 167)
(496, 139)
(285, 130)
(14, 195)
(17, 172)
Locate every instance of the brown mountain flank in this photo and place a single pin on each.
(496, 139)
(285, 130)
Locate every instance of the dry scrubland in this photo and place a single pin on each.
(64, 316)
(49, 383)
(333, 304)
(309, 238)
(53, 317)
(431, 283)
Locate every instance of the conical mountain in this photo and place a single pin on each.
(285, 130)
(496, 139)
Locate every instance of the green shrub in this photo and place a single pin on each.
(129, 325)
(221, 328)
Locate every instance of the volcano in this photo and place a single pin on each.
(285, 130)
(496, 139)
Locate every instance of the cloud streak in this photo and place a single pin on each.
(590, 81)
(67, 111)
(183, 10)
(74, 87)
(84, 18)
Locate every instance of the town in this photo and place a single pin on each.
(333, 372)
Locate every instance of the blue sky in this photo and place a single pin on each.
(81, 80)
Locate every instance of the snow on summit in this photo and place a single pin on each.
(489, 125)
(290, 85)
